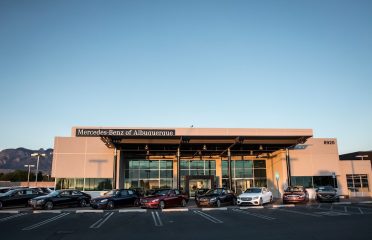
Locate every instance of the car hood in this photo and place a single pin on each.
(327, 192)
(149, 198)
(208, 196)
(42, 197)
(101, 198)
(250, 195)
(294, 193)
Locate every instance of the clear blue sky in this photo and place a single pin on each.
(253, 64)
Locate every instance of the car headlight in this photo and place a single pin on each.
(255, 197)
(103, 201)
(155, 200)
(40, 201)
(213, 199)
(239, 198)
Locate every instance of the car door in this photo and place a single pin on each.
(15, 199)
(27, 195)
(123, 198)
(224, 197)
(63, 198)
(75, 197)
(132, 197)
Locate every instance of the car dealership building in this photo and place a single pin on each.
(98, 158)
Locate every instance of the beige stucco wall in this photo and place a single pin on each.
(316, 158)
(81, 158)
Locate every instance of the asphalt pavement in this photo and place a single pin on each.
(311, 221)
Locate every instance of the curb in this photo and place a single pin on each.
(341, 203)
(9, 211)
(283, 206)
(175, 210)
(363, 202)
(47, 211)
(89, 211)
(214, 209)
(132, 210)
(253, 207)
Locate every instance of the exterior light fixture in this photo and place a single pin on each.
(260, 148)
(362, 156)
(38, 155)
(204, 147)
(146, 147)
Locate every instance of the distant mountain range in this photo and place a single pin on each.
(16, 159)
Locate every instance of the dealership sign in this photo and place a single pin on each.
(82, 132)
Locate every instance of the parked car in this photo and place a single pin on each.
(255, 196)
(295, 194)
(327, 194)
(200, 191)
(162, 198)
(217, 197)
(116, 198)
(43, 190)
(18, 197)
(61, 198)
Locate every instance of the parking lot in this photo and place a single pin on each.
(313, 221)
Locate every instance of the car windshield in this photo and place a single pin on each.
(10, 192)
(295, 189)
(111, 193)
(253, 190)
(326, 189)
(161, 192)
(214, 191)
(54, 193)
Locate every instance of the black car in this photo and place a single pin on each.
(327, 194)
(199, 192)
(217, 197)
(18, 197)
(116, 198)
(61, 198)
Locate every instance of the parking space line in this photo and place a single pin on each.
(283, 206)
(254, 214)
(47, 211)
(361, 211)
(341, 203)
(101, 221)
(333, 213)
(297, 212)
(11, 217)
(208, 217)
(45, 222)
(252, 207)
(156, 218)
(89, 211)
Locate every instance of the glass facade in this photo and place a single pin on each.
(197, 168)
(91, 184)
(245, 174)
(148, 174)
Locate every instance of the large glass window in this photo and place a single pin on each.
(357, 183)
(148, 174)
(91, 184)
(243, 172)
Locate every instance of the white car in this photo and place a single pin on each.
(255, 196)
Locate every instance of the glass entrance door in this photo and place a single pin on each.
(242, 184)
(195, 184)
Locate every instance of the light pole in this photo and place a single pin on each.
(28, 176)
(37, 163)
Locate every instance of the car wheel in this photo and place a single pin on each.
(183, 203)
(49, 205)
(161, 205)
(1, 205)
(260, 202)
(271, 199)
(136, 203)
(110, 205)
(218, 203)
(234, 202)
(83, 203)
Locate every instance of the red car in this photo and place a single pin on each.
(295, 194)
(163, 198)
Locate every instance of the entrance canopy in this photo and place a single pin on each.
(193, 142)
